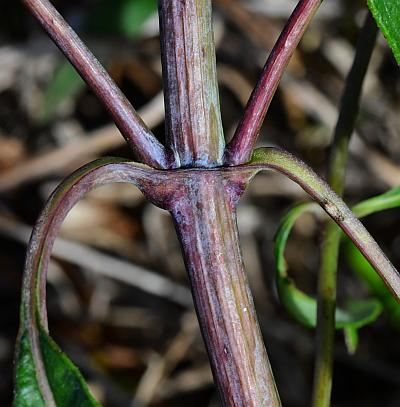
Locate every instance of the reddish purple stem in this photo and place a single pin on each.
(204, 210)
(136, 133)
(192, 111)
(240, 148)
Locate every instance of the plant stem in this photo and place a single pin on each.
(330, 248)
(33, 305)
(204, 208)
(193, 118)
(321, 192)
(240, 148)
(206, 224)
(136, 133)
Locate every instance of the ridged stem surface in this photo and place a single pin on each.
(193, 118)
(205, 219)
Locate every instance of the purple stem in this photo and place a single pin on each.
(193, 118)
(100, 172)
(203, 204)
(153, 183)
(139, 137)
(204, 210)
(239, 150)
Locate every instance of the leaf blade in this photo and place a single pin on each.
(27, 391)
(387, 16)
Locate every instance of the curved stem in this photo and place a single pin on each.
(319, 190)
(330, 248)
(33, 309)
(139, 137)
(239, 150)
(100, 172)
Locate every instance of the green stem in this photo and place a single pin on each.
(330, 248)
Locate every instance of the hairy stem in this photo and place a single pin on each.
(330, 248)
(193, 118)
(240, 148)
(139, 137)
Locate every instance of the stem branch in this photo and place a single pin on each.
(319, 190)
(241, 146)
(138, 136)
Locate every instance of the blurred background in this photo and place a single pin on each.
(118, 299)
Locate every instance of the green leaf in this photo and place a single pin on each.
(388, 200)
(302, 307)
(67, 385)
(124, 17)
(65, 84)
(284, 162)
(44, 376)
(374, 283)
(27, 391)
(387, 16)
(351, 339)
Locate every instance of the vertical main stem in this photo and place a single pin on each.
(204, 210)
(193, 118)
(206, 223)
(330, 250)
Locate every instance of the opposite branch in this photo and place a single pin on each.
(241, 146)
(330, 249)
(319, 190)
(138, 136)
